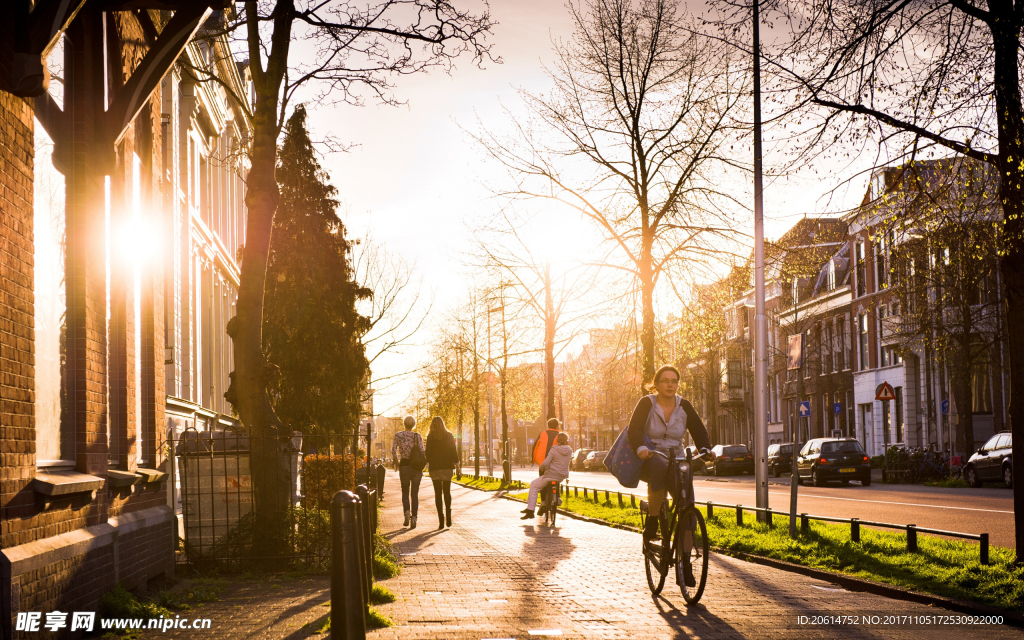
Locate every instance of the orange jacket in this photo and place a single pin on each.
(543, 444)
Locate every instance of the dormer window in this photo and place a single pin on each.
(831, 275)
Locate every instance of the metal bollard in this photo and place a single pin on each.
(805, 523)
(632, 500)
(854, 529)
(348, 606)
(739, 515)
(912, 538)
(576, 491)
(711, 510)
(768, 517)
(620, 500)
(984, 548)
(367, 538)
(606, 498)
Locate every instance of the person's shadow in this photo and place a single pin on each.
(545, 546)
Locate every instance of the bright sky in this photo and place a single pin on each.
(416, 180)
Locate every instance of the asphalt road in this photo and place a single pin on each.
(985, 510)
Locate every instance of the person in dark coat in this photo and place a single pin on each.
(443, 458)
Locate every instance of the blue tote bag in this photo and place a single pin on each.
(622, 461)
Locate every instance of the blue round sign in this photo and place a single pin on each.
(945, 407)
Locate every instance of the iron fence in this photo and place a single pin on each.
(260, 501)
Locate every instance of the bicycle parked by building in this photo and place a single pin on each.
(683, 545)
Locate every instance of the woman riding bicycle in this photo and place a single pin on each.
(662, 419)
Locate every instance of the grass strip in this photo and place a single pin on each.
(949, 568)
(487, 483)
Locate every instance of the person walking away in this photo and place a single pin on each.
(402, 448)
(554, 468)
(443, 458)
(541, 448)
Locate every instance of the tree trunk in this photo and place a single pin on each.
(549, 344)
(647, 303)
(1010, 119)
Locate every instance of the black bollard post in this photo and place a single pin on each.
(367, 538)
(347, 604)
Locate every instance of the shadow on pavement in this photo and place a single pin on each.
(697, 619)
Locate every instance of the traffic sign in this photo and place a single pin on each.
(805, 409)
(837, 408)
(945, 407)
(885, 391)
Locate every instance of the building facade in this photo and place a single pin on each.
(121, 215)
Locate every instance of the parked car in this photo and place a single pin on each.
(780, 458)
(826, 459)
(595, 461)
(731, 458)
(576, 463)
(993, 462)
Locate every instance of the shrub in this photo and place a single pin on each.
(325, 475)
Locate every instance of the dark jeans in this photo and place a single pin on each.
(442, 495)
(410, 478)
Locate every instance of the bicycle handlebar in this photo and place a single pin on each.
(664, 455)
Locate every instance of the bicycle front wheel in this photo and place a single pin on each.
(691, 555)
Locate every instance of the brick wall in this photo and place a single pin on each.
(17, 427)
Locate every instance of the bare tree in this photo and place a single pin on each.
(397, 311)
(943, 224)
(919, 78)
(552, 292)
(351, 50)
(634, 137)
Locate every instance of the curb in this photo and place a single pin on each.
(848, 582)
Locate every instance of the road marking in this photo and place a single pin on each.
(545, 632)
(902, 504)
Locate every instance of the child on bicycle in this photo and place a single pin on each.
(555, 468)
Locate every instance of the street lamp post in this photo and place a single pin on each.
(760, 321)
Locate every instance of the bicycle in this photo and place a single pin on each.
(551, 505)
(681, 525)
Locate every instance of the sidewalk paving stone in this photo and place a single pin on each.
(493, 575)
(500, 577)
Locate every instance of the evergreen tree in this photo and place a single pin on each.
(311, 329)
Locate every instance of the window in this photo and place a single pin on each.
(884, 353)
(862, 339)
(881, 261)
(735, 374)
(981, 382)
(829, 349)
(899, 413)
(840, 360)
(861, 272)
(831, 275)
(54, 427)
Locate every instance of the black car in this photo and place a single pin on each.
(780, 458)
(833, 459)
(993, 462)
(731, 458)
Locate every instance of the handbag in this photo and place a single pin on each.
(622, 461)
(417, 459)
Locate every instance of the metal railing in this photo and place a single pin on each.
(216, 475)
(854, 523)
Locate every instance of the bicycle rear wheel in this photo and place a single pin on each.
(694, 563)
(552, 510)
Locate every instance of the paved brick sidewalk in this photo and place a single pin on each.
(494, 576)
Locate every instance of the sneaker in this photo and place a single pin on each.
(406, 523)
(543, 509)
(412, 522)
(529, 515)
(559, 501)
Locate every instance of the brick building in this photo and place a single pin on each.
(120, 218)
